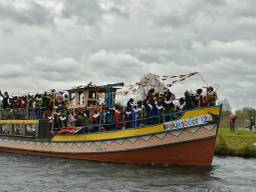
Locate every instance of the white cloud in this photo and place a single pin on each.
(59, 43)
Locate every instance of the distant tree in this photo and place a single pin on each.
(244, 115)
(250, 111)
(226, 105)
(226, 111)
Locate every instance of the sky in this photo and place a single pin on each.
(48, 44)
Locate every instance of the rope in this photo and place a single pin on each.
(201, 77)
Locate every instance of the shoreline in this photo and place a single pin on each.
(241, 143)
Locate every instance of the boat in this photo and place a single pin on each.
(188, 138)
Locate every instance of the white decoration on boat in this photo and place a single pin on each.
(88, 144)
(79, 144)
(24, 142)
(61, 144)
(146, 138)
(193, 129)
(120, 141)
(133, 139)
(109, 142)
(70, 144)
(176, 133)
(190, 122)
(98, 143)
(58, 144)
(209, 127)
(161, 135)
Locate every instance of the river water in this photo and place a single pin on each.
(36, 174)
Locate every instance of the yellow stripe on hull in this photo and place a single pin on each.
(110, 135)
(4, 122)
(133, 132)
(201, 111)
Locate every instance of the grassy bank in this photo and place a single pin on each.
(242, 143)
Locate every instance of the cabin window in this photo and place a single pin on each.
(92, 94)
(102, 98)
(7, 129)
(81, 98)
(72, 98)
(19, 129)
(31, 130)
(91, 103)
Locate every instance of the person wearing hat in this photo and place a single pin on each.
(96, 120)
(232, 122)
(181, 105)
(46, 101)
(59, 98)
(70, 118)
(199, 98)
(39, 105)
(211, 96)
(160, 109)
(63, 120)
(252, 123)
(5, 101)
(169, 108)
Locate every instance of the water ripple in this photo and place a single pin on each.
(29, 174)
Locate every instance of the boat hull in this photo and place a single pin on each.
(198, 152)
(189, 140)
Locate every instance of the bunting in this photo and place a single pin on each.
(169, 81)
(174, 79)
(164, 79)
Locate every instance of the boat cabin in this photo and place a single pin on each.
(91, 95)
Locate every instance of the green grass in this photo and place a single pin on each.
(238, 133)
(240, 143)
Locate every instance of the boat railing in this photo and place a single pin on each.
(138, 122)
(42, 128)
(130, 124)
(22, 113)
(133, 123)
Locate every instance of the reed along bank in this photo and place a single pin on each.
(241, 143)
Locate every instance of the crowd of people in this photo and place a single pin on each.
(27, 106)
(156, 108)
(28, 101)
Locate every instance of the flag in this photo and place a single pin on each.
(181, 76)
(177, 78)
(191, 74)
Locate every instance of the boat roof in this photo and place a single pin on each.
(91, 86)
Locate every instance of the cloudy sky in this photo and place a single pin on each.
(60, 43)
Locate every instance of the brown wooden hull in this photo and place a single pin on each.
(198, 152)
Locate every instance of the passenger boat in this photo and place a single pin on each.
(189, 139)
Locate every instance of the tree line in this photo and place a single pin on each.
(243, 115)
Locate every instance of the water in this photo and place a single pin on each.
(29, 174)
